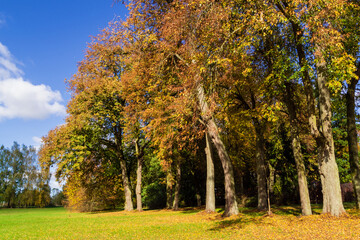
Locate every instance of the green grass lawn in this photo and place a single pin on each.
(58, 223)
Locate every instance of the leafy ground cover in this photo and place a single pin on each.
(285, 223)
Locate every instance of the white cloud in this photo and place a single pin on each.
(4, 51)
(20, 98)
(8, 66)
(38, 142)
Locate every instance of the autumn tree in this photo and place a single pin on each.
(317, 25)
(192, 27)
(174, 120)
(95, 127)
(22, 182)
(276, 54)
(349, 29)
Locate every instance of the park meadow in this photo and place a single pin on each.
(188, 223)
(239, 119)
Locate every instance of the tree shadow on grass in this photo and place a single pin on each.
(252, 212)
(239, 223)
(186, 210)
(252, 216)
(287, 210)
(105, 211)
(190, 210)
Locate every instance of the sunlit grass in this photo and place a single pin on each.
(285, 223)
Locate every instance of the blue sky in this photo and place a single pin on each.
(41, 42)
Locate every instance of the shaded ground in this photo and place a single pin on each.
(190, 223)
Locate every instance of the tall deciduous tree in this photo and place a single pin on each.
(175, 57)
(324, 39)
(352, 136)
(97, 119)
(349, 29)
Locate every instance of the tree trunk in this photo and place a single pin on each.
(260, 168)
(332, 201)
(210, 177)
(177, 186)
(353, 139)
(127, 190)
(231, 207)
(302, 181)
(241, 186)
(198, 199)
(169, 188)
(271, 179)
(125, 178)
(138, 177)
(296, 147)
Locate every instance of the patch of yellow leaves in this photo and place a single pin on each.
(291, 227)
(195, 223)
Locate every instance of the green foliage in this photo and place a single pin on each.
(96, 186)
(340, 138)
(154, 190)
(154, 195)
(57, 198)
(22, 182)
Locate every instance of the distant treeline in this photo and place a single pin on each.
(23, 183)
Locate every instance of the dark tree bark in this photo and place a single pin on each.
(296, 147)
(231, 207)
(169, 188)
(241, 186)
(271, 179)
(260, 168)
(210, 177)
(127, 189)
(177, 185)
(353, 138)
(198, 199)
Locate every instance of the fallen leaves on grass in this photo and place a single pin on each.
(185, 224)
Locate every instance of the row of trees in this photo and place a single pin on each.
(22, 183)
(267, 88)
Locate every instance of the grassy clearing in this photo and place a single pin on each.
(58, 223)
